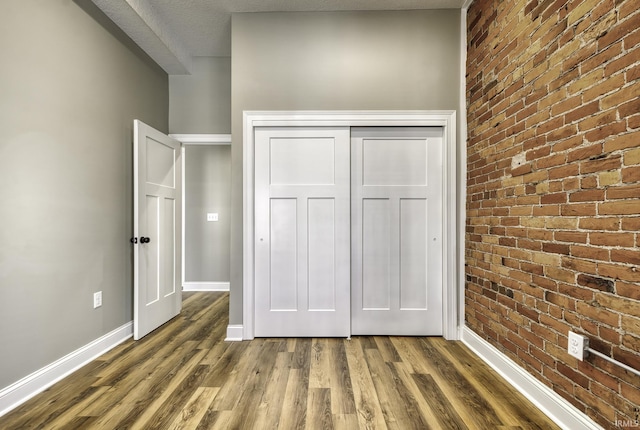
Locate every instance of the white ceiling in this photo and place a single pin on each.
(174, 31)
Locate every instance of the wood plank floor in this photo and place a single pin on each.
(184, 376)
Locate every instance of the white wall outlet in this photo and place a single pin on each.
(578, 344)
(97, 299)
(212, 217)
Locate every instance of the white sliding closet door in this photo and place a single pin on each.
(397, 231)
(302, 232)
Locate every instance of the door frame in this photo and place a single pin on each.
(197, 140)
(453, 279)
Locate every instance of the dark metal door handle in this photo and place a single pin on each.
(145, 239)
(134, 240)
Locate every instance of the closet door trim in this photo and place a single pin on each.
(453, 276)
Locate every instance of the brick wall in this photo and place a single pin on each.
(553, 224)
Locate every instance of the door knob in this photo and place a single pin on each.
(134, 240)
(145, 239)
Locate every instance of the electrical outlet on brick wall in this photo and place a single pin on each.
(577, 346)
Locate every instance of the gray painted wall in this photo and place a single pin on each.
(207, 189)
(71, 86)
(201, 102)
(331, 61)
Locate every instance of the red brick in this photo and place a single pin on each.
(574, 376)
(521, 170)
(564, 171)
(596, 283)
(568, 104)
(631, 359)
(561, 133)
(623, 141)
(571, 184)
(578, 209)
(580, 265)
(590, 252)
(549, 125)
(605, 86)
(630, 108)
(589, 182)
(619, 208)
(585, 152)
(583, 111)
(630, 92)
(632, 223)
(625, 273)
(633, 122)
(603, 56)
(630, 290)
(619, 31)
(605, 131)
(631, 174)
(620, 63)
(543, 282)
(578, 57)
(611, 239)
(601, 164)
(538, 153)
(626, 256)
(633, 73)
(585, 80)
(629, 391)
(598, 314)
(572, 142)
(560, 274)
(553, 198)
(587, 196)
(599, 223)
(624, 192)
(570, 236)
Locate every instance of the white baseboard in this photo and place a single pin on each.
(550, 403)
(205, 286)
(234, 333)
(24, 389)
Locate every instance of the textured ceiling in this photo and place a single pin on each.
(172, 32)
(204, 26)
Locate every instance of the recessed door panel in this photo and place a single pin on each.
(168, 246)
(150, 252)
(160, 168)
(283, 294)
(302, 161)
(321, 255)
(394, 162)
(376, 244)
(413, 254)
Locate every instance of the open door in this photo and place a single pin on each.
(157, 200)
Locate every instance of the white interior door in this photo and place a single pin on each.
(302, 232)
(397, 231)
(157, 229)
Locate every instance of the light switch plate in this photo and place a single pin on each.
(97, 299)
(212, 217)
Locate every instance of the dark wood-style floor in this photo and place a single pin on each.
(184, 376)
